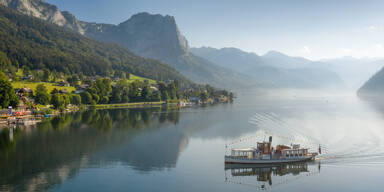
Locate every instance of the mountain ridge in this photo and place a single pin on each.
(38, 44)
(147, 35)
(273, 68)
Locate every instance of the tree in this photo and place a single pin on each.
(74, 80)
(163, 91)
(46, 75)
(75, 99)
(164, 96)
(104, 86)
(66, 99)
(116, 95)
(42, 96)
(172, 90)
(5, 63)
(133, 91)
(7, 93)
(95, 98)
(26, 70)
(58, 101)
(100, 90)
(120, 74)
(156, 96)
(204, 96)
(162, 87)
(105, 99)
(55, 76)
(146, 93)
(86, 97)
(121, 91)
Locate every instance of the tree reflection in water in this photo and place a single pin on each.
(40, 156)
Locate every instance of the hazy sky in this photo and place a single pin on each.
(312, 29)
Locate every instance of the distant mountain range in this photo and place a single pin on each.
(274, 68)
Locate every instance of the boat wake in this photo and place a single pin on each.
(347, 144)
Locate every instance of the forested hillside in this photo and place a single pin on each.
(38, 44)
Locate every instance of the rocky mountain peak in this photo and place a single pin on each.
(45, 11)
(154, 32)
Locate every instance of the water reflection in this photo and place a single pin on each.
(375, 103)
(181, 149)
(264, 177)
(38, 157)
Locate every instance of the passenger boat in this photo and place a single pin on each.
(264, 153)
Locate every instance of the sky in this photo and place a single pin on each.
(311, 29)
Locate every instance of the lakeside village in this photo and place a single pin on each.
(28, 97)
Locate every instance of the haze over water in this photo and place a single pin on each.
(183, 149)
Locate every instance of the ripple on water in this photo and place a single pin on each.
(358, 146)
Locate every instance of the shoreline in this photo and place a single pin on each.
(4, 123)
(128, 105)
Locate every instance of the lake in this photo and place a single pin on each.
(165, 149)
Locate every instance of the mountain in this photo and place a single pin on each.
(280, 60)
(45, 11)
(147, 35)
(374, 87)
(354, 71)
(157, 36)
(232, 58)
(38, 44)
(152, 36)
(273, 69)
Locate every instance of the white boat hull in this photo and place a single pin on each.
(235, 160)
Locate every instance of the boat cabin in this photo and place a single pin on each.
(295, 152)
(245, 153)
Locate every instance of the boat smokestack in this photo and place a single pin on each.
(270, 139)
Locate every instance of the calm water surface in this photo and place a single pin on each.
(183, 149)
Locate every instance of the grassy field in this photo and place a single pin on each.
(137, 78)
(33, 85)
(51, 86)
